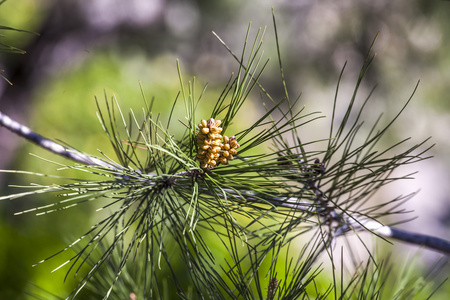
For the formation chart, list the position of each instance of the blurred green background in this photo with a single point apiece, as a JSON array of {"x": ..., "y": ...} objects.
[{"x": 88, "y": 48}]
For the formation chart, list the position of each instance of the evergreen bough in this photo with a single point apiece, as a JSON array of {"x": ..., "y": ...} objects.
[{"x": 174, "y": 206}]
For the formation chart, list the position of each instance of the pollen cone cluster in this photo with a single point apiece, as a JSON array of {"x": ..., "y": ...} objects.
[{"x": 213, "y": 148}]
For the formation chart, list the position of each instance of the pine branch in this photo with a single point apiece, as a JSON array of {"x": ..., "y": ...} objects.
[
  {"x": 30, "y": 135},
  {"x": 353, "y": 223},
  {"x": 203, "y": 182},
  {"x": 349, "y": 223},
  {"x": 428, "y": 241}
]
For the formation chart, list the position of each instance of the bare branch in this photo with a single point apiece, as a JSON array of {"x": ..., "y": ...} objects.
[{"x": 52, "y": 146}]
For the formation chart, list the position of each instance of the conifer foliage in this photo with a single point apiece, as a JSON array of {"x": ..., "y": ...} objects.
[{"x": 216, "y": 217}]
